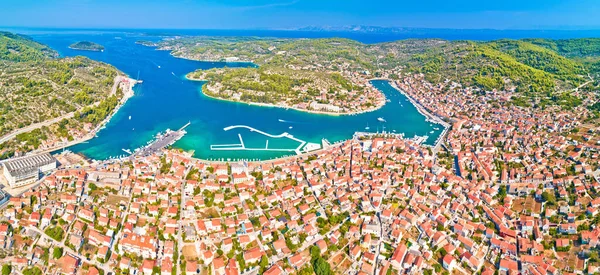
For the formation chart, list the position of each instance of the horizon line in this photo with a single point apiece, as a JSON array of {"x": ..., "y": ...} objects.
[{"x": 298, "y": 28}]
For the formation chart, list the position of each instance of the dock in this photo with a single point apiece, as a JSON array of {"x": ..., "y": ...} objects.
[
  {"x": 241, "y": 146},
  {"x": 161, "y": 141}
]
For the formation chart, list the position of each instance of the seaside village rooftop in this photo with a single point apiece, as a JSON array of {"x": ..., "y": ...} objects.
[{"x": 510, "y": 190}]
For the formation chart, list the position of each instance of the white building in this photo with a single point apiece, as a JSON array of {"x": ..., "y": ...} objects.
[{"x": 26, "y": 170}]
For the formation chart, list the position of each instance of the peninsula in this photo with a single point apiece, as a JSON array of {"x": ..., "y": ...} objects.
[
  {"x": 87, "y": 46},
  {"x": 331, "y": 75},
  {"x": 312, "y": 75},
  {"x": 48, "y": 102}
]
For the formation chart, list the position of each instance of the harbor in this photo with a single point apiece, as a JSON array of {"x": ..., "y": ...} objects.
[
  {"x": 429, "y": 117},
  {"x": 303, "y": 146},
  {"x": 161, "y": 141},
  {"x": 164, "y": 101}
]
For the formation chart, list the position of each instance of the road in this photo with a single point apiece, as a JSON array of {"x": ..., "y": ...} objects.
[
  {"x": 49, "y": 122},
  {"x": 180, "y": 241},
  {"x": 34, "y": 126}
]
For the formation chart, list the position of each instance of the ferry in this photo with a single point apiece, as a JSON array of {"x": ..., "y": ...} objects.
[{"x": 381, "y": 119}]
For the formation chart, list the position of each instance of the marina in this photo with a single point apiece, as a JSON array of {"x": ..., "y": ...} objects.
[
  {"x": 167, "y": 101},
  {"x": 162, "y": 140},
  {"x": 241, "y": 145}
]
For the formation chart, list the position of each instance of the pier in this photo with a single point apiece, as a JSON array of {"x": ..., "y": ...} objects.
[
  {"x": 161, "y": 141},
  {"x": 242, "y": 146}
]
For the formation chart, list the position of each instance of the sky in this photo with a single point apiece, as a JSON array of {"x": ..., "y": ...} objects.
[{"x": 284, "y": 14}]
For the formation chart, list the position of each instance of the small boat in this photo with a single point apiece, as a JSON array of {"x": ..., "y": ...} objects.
[
  {"x": 158, "y": 66},
  {"x": 173, "y": 73},
  {"x": 129, "y": 117},
  {"x": 431, "y": 132},
  {"x": 436, "y": 128},
  {"x": 291, "y": 127},
  {"x": 381, "y": 119},
  {"x": 387, "y": 100},
  {"x": 367, "y": 128},
  {"x": 133, "y": 129}
]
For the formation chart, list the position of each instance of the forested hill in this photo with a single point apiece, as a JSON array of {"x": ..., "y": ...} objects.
[
  {"x": 521, "y": 65},
  {"x": 530, "y": 66},
  {"x": 584, "y": 50},
  {"x": 16, "y": 47},
  {"x": 580, "y": 47},
  {"x": 36, "y": 86}
]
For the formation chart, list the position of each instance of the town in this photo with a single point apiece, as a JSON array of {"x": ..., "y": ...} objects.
[{"x": 510, "y": 190}]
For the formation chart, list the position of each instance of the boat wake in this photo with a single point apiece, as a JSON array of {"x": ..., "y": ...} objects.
[{"x": 291, "y": 122}]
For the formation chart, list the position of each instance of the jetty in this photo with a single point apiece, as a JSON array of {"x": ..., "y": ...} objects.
[
  {"x": 241, "y": 146},
  {"x": 161, "y": 141}
]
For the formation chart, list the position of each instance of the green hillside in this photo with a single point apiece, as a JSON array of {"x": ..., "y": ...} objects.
[
  {"x": 531, "y": 69},
  {"x": 539, "y": 57},
  {"x": 15, "y": 47},
  {"x": 580, "y": 47},
  {"x": 35, "y": 86}
]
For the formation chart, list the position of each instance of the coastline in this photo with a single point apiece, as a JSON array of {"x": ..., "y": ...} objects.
[
  {"x": 422, "y": 110},
  {"x": 375, "y": 108},
  {"x": 127, "y": 94},
  {"x": 78, "y": 49}
]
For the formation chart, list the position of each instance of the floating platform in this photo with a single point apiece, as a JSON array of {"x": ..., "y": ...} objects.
[{"x": 303, "y": 145}]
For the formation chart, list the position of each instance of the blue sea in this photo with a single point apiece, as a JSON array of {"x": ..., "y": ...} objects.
[{"x": 166, "y": 100}]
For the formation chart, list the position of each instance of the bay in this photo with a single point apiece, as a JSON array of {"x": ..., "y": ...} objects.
[{"x": 166, "y": 100}]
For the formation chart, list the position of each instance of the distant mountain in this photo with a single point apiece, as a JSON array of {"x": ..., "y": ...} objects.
[{"x": 359, "y": 28}]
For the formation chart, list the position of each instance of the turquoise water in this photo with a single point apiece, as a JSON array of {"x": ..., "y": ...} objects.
[{"x": 167, "y": 100}]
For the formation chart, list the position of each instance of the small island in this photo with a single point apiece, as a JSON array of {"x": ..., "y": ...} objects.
[{"x": 87, "y": 46}]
